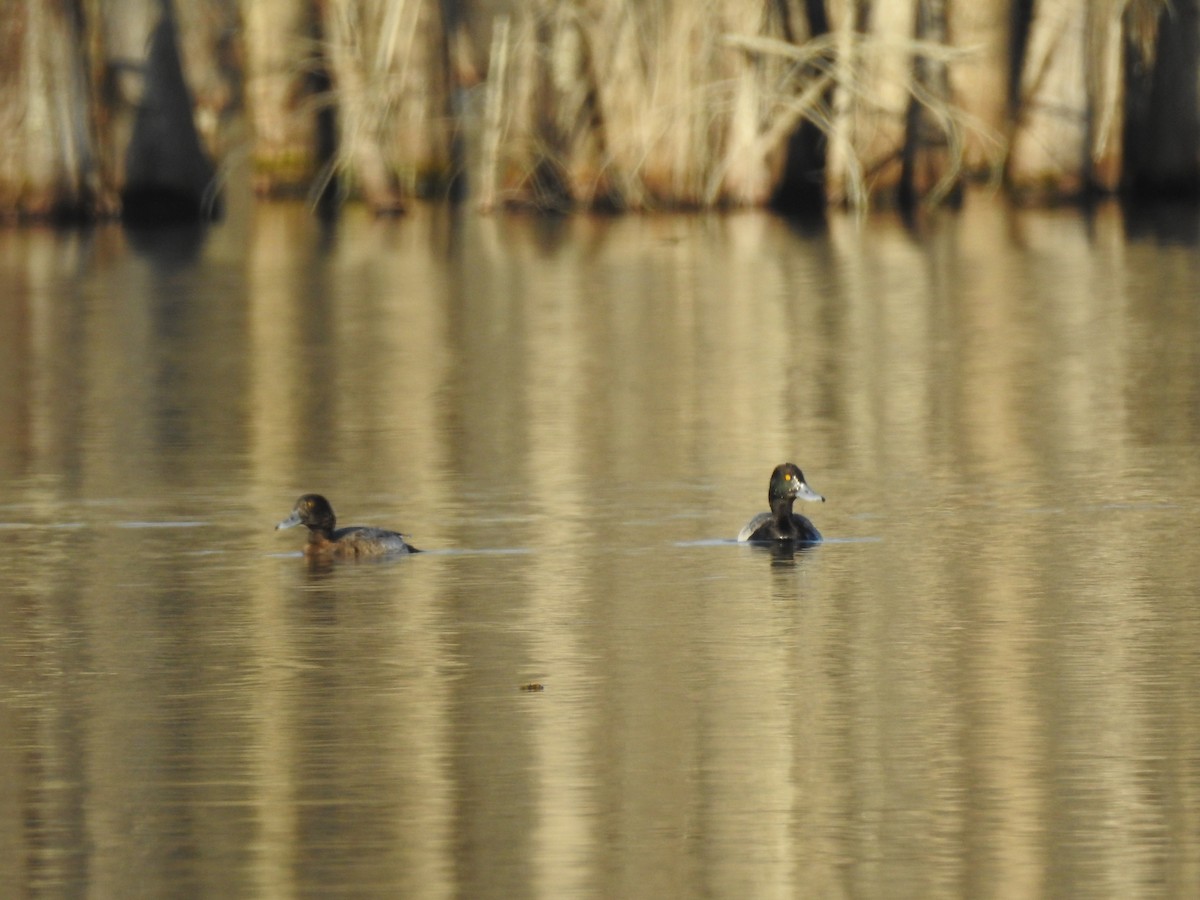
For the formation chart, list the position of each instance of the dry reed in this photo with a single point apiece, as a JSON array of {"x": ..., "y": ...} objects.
[
  {"x": 390, "y": 86},
  {"x": 638, "y": 106}
]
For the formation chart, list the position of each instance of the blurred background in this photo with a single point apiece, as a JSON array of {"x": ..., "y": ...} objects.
[{"x": 126, "y": 107}]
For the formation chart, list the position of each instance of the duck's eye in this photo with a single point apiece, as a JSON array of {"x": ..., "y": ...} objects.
[{"x": 787, "y": 476}]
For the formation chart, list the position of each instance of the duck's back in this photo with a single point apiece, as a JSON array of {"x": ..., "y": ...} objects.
[
  {"x": 762, "y": 528},
  {"x": 363, "y": 540}
]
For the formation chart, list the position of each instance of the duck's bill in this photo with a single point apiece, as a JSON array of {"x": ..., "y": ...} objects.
[
  {"x": 804, "y": 492},
  {"x": 293, "y": 519}
]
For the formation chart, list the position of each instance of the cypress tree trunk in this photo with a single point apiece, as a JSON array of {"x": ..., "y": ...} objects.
[
  {"x": 168, "y": 174},
  {"x": 980, "y": 83},
  {"x": 872, "y": 102},
  {"x": 569, "y": 127},
  {"x": 284, "y": 77},
  {"x": 1069, "y": 128},
  {"x": 762, "y": 119},
  {"x": 1049, "y": 146},
  {"x": 801, "y": 184},
  {"x": 1162, "y": 133},
  {"x": 546, "y": 90},
  {"x": 49, "y": 165},
  {"x": 171, "y": 70},
  {"x": 932, "y": 147},
  {"x": 1106, "y": 95}
]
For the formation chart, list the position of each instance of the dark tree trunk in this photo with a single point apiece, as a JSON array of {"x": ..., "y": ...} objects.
[
  {"x": 1162, "y": 124},
  {"x": 926, "y": 161},
  {"x": 168, "y": 175},
  {"x": 801, "y": 186}
]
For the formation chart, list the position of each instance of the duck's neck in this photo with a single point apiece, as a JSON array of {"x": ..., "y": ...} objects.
[
  {"x": 320, "y": 534},
  {"x": 781, "y": 511}
]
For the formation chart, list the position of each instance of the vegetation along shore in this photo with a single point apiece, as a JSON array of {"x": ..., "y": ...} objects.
[{"x": 145, "y": 107}]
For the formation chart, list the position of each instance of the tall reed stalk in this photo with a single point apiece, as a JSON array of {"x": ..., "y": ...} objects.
[
  {"x": 391, "y": 85},
  {"x": 693, "y": 104}
]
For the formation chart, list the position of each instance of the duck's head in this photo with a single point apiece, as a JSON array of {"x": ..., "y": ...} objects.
[
  {"x": 313, "y": 511},
  {"x": 787, "y": 483}
]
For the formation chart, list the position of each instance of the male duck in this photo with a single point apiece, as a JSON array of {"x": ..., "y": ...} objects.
[{"x": 781, "y": 524}]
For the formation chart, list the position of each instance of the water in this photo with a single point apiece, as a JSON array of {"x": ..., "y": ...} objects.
[{"x": 982, "y": 684}]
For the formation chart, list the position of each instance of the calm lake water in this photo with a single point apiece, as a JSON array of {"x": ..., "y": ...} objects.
[{"x": 983, "y": 684}]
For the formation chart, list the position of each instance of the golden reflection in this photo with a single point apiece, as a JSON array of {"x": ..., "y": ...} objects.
[
  {"x": 980, "y": 682},
  {"x": 318, "y": 371}
]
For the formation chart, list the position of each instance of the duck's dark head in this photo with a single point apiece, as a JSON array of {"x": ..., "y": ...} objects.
[
  {"x": 787, "y": 483},
  {"x": 313, "y": 511}
]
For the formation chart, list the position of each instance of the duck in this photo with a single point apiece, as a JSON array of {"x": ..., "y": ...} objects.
[
  {"x": 326, "y": 540},
  {"x": 781, "y": 524}
]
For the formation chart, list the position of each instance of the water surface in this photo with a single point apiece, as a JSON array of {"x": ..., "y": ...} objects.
[{"x": 982, "y": 684}]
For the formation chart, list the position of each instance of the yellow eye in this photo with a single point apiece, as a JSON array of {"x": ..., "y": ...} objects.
[{"x": 787, "y": 476}]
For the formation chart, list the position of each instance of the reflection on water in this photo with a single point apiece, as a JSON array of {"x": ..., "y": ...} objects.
[{"x": 982, "y": 683}]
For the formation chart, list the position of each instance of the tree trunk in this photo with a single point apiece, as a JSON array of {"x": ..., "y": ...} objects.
[
  {"x": 1069, "y": 128},
  {"x": 979, "y": 83},
  {"x": 1162, "y": 134},
  {"x": 1049, "y": 146},
  {"x": 49, "y": 166},
  {"x": 205, "y": 90},
  {"x": 284, "y": 71},
  {"x": 1106, "y": 95},
  {"x": 767, "y": 103},
  {"x": 800, "y": 187},
  {"x": 168, "y": 174},
  {"x": 746, "y": 178},
  {"x": 873, "y": 99},
  {"x": 933, "y": 147}
]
